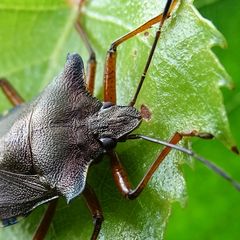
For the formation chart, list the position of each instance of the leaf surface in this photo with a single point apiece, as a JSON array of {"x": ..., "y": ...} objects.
[
  {"x": 181, "y": 91},
  {"x": 212, "y": 209}
]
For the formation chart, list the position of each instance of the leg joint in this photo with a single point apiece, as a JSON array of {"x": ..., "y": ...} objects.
[
  {"x": 92, "y": 57},
  {"x": 113, "y": 48},
  {"x": 98, "y": 219},
  {"x": 131, "y": 196}
]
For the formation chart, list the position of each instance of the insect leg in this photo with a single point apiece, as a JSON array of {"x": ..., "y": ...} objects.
[
  {"x": 46, "y": 221},
  {"x": 95, "y": 209},
  {"x": 10, "y": 92},
  {"x": 120, "y": 175},
  {"x": 92, "y": 63},
  {"x": 110, "y": 62}
]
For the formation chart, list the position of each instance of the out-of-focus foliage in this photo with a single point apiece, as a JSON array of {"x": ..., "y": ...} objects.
[{"x": 213, "y": 207}]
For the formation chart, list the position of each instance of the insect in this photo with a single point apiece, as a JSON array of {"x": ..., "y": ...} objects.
[{"x": 47, "y": 145}]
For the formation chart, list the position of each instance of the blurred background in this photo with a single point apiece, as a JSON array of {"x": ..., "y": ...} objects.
[{"x": 209, "y": 214}]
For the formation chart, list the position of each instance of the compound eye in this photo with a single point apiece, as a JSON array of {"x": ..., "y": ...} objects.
[
  {"x": 106, "y": 105},
  {"x": 108, "y": 143}
]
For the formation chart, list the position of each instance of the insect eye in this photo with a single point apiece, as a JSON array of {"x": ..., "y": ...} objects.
[
  {"x": 106, "y": 105},
  {"x": 108, "y": 143}
]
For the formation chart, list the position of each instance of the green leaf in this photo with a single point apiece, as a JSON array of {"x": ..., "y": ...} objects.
[
  {"x": 213, "y": 206},
  {"x": 202, "y": 3},
  {"x": 181, "y": 91}
]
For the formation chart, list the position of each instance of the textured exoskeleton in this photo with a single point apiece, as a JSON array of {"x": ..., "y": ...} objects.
[{"x": 47, "y": 145}]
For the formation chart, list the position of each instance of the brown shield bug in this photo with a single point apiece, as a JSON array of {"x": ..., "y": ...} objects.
[{"x": 48, "y": 145}]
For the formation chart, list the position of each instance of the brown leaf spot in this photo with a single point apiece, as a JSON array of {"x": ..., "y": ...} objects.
[
  {"x": 235, "y": 149},
  {"x": 145, "y": 112}
]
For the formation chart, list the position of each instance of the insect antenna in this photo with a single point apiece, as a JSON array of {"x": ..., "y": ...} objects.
[
  {"x": 157, "y": 36},
  {"x": 206, "y": 162}
]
